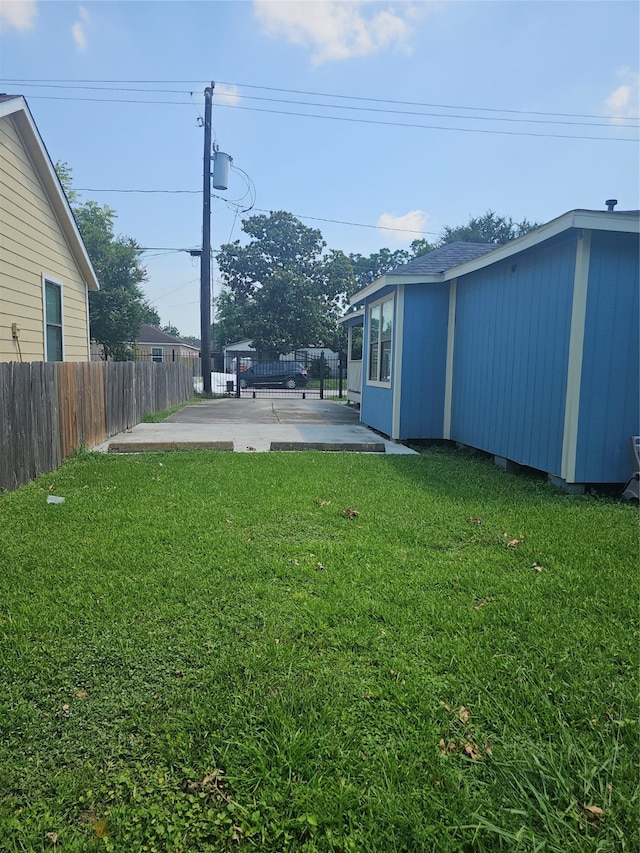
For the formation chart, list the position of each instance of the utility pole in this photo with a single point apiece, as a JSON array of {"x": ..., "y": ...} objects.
[{"x": 205, "y": 257}]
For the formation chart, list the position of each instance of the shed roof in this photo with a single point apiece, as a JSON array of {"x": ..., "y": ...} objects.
[
  {"x": 14, "y": 108},
  {"x": 442, "y": 259}
]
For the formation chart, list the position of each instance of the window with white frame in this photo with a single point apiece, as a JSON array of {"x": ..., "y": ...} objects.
[
  {"x": 53, "y": 320},
  {"x": 380, "y": 335},
  {"x": 156, "y": 353}
]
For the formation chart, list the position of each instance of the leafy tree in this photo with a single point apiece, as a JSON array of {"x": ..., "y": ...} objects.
[
  {"x": 119, "y": 308},
  {"x": 421, "y": 247},
  {"x": 489, "y": 228},
  {"x": 283, "y": 291},
  {"x": 170, "y": 330},
  {"x": 368, "y": 269}
]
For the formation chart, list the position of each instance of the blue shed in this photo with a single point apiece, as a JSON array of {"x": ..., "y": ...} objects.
[{"x": 528, "y": 351}]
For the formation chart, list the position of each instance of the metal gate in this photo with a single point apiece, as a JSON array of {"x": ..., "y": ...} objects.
[{"x": 302, "y": 374}]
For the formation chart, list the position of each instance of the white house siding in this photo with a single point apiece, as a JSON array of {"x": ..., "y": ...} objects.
[{"x": 33, "y": 245}]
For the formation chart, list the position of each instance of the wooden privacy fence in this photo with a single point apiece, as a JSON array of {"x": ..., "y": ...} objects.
[{"x": 49, "y": 409}]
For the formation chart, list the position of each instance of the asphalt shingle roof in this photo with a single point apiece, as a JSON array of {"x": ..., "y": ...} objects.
[
  {"x": 442, "y": 259},
  {"x": 153, "y": 335}
]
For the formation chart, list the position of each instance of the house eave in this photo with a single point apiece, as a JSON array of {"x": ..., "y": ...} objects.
[
  {"x": 18, "y": 110},
  {"x": 353, "y": 315}
]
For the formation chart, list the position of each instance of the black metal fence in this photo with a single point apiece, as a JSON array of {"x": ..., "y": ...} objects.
[{"x": 299, "y": 374}]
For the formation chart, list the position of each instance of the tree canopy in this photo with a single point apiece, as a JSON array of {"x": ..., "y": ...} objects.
[
  {"x": 283, "y": 291},
  {"x": 489, "y": 228},
  {"x": 119, "y": 308}
]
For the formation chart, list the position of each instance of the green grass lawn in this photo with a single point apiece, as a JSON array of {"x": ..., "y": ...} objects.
[{"x": 315, "y": 652}]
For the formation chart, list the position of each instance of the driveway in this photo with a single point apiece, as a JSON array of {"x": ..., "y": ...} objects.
[{"x": 257, "y": 425}]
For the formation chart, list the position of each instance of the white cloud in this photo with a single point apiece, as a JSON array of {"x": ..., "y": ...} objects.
[
  {"x": 18, "y": 14},
  {"x": 78, "y": 30},
  {"x": 404, "y": 227},
  {"x": 624, "y": 101},
  {"x": 339, "y": 29},
  {"x": 228, "y": 94}
]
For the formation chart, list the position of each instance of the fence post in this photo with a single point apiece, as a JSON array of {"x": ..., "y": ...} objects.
[
  {"x": 322, "y": 366},
  {"x": 340, "y": 362}
]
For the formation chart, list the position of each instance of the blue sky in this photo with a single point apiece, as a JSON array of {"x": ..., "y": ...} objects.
[{"x": 461, "y": 106}]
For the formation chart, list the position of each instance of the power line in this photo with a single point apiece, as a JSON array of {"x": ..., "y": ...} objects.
[
  {"x": 434, "y": 127},
  {"x": 263, "y": 210},
  {"x": 157, "y": 102},
  {"x": 495, "y": 118},
  {"x": 58, "y": 84},
  {"x": 352, "y": 120}
]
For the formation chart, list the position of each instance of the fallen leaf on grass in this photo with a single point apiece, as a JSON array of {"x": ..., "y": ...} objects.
[
  {"x": 350, "y": 513},
  {"x": 100, "y": 827},
  {"x": 237, "y": 834},
  {"x": 319, "y": 567},
  {"x": 81, "y": 694},
  {"x": 475, "y": 520},
  {"x": 537, "y": 567},
  {"x": 250, "y": 448},
  {"x": 593, "y": 812},
  {"x": 323, "y": 503},
  {"x": 472, "y": 751},
  {"x": 481, "y": 602},
  {"x": 463, "y": 714},
  {"x": 64, "y": 711},
  {"x": 444, "y": 705},
  {"x": 513, "y": 543},
  {"x": 52, "y": 836}
]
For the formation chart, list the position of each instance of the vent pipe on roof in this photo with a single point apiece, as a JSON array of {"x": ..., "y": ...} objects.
[{"x": 611, "y": 203}]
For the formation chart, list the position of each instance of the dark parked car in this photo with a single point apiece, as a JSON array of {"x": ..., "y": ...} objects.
[{"x": 274, "y": 374}]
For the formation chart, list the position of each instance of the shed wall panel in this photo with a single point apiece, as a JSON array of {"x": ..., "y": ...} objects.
[
  {"x": 609, "y": 409},
  {"x": 424, "y": 361},
  {"x": 510, "y": 356}
]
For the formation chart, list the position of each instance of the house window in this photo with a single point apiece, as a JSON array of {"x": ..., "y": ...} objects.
[
  {"x": 380, "y": 334},
  {"x": 355, "y": 353},
  {"x": 53, "y": 320},
  {"x": 156, "y": 353}
]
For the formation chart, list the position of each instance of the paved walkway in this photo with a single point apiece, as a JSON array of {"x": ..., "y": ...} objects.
[{"x": 263, "y": 424}]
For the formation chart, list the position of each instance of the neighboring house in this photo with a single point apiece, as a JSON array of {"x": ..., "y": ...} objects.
[
  {"x": 528, "y": 351},
  {"x": 155, "y": 345},
  {"x": 45, "y": 272}
]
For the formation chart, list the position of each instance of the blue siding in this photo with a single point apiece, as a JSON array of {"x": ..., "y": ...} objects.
[
  {"x": 424, "y": 357},
  {"x": 510, "y": 357},
  {"x": 609, "y": 414},
  {"x": 376, "y": 405}
]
